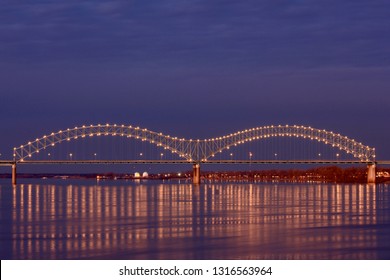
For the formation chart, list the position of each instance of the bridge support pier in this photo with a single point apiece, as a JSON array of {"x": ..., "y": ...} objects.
[
  {"x": 196, "y": 173},
  {"x": 371, "y": 172},
  {"x": 14, "y": 174}
]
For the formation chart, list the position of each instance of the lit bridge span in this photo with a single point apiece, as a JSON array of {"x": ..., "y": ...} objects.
[{"x": 196, "y": 151}]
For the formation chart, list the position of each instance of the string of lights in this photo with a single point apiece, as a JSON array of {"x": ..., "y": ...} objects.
[{"x": 199, "y": 150}]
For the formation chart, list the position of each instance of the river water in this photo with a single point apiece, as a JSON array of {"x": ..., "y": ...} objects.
[{"x": 85, "y": 219}]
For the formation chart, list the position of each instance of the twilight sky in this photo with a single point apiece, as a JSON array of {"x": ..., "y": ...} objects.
[{"x": 195, "y": 68}]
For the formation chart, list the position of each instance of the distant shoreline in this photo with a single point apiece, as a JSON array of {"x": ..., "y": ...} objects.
[{"x": 329, "y": 174}]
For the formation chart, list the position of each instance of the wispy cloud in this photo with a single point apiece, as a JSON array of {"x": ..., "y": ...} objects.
[{"x": 275, "y": 33}]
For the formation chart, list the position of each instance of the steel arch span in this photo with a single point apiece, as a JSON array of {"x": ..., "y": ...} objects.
[{"x": 199, "y": 150}]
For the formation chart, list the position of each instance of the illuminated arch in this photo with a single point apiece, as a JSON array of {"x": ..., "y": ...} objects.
[
  {"x": 173, "y": 144},
  {"x": 358, "y": 150},
  {"x": 197, "y": 150}
]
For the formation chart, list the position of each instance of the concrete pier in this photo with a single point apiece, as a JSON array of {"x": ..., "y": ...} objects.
[
  {"x": 14, "y": 174},
  {"x": 371, "y": 172},
  {"x": 196, "y": 173}
]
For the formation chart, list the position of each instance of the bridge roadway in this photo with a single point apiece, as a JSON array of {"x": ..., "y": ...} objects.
[{"x": 35, "y": 162}]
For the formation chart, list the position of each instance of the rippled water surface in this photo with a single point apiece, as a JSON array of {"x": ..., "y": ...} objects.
[{"x": 49, "y": 219}]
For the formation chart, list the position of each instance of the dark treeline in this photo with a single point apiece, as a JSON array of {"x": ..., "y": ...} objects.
[
  {"x": 331, "y": 174},
  {"x": 320, "y": 174}
]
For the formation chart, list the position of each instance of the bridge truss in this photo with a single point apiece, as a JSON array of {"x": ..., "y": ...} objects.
[{"x": 199, "y": 150}]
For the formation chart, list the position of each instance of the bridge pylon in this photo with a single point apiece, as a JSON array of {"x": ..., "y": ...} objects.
[
  {"x": 371, "y": 173},
  {"x": 196, "y": 173},
  {"x": 14, "y": 173}
]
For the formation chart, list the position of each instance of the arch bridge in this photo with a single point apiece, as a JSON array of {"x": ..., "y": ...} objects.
[{"x": 198, "y": 151}]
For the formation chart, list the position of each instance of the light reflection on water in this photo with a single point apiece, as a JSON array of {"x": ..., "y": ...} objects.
[{"x": 154, "y": 220}]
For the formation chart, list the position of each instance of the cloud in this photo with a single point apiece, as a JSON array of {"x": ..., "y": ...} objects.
[{"x": 198, "y": 33}]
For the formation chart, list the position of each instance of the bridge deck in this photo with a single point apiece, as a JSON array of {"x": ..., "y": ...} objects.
[
  {"x": 35, "y": 162},
  {"x": 4, "y": 162}
]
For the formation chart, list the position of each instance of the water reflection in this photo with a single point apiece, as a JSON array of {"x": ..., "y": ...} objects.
[{"x": 181, "y": 221}]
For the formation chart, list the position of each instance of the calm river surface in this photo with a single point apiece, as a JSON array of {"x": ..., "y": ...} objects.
[{"x": 64, "y": 219}]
